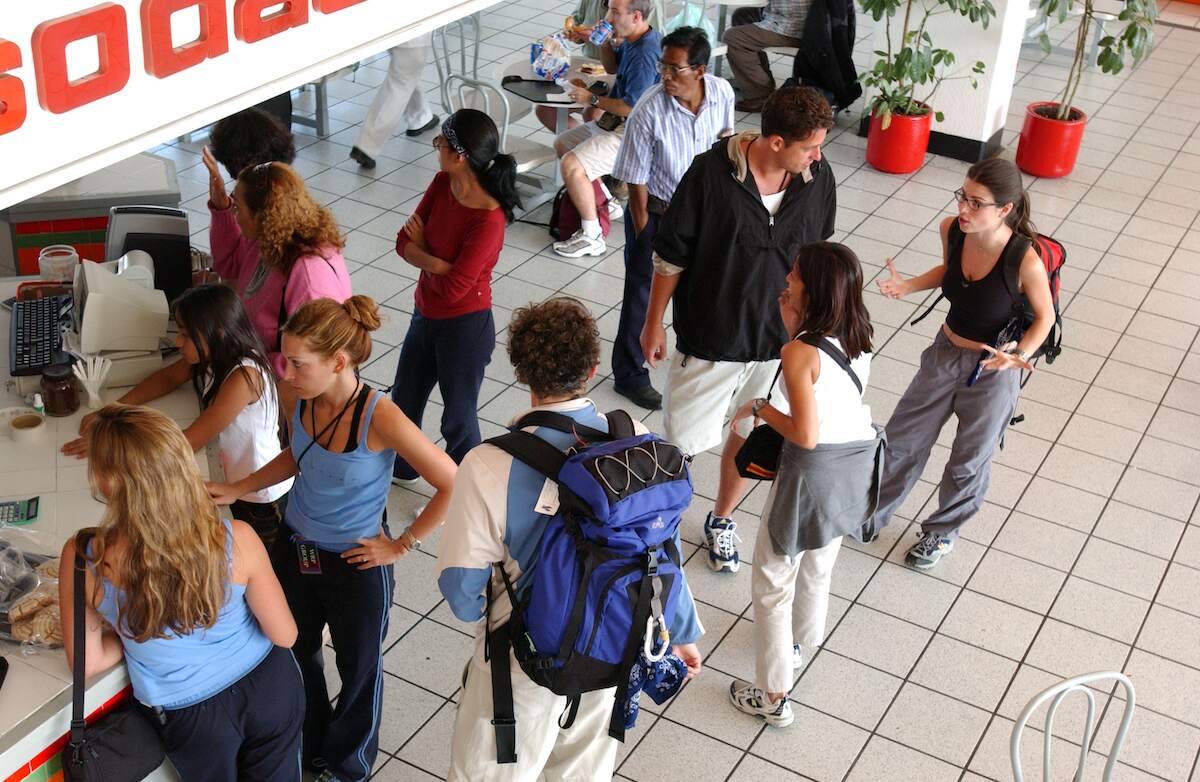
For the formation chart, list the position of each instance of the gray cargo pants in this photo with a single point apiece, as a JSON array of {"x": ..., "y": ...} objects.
[{"x": 983, "y": 410}]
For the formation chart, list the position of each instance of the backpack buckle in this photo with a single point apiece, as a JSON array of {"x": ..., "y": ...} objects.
[{"x": 652, "y": 562}]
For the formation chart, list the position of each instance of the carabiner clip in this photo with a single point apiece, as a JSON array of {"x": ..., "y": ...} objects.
[{"x": 664, "y": 635}]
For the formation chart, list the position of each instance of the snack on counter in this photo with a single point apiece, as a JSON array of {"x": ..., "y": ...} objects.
[
  {"x": 592, "y": 69},
  {"x": 29, "y": 610}
]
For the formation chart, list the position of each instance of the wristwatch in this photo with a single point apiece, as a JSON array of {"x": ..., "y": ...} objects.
[
  {"x": 412, "y": 540},
  {"x": 1021, "y": 354},
  {"x": 758, "y": 405},
  {"x": 594, "y": 101}
]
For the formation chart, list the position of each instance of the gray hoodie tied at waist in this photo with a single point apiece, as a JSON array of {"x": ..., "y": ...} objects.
[{"x": 824, "y": 493}]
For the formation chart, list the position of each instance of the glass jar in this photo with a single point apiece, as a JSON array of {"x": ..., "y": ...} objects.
[{"x": 59, "y": 392}]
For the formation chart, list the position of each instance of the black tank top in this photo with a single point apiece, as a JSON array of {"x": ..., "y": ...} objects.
[{"x": 980, "y": 309}]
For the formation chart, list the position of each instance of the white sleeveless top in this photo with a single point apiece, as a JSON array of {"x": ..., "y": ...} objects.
[
  {"x": 842, "y": 417},
  {"x": 252, "y": 440}
]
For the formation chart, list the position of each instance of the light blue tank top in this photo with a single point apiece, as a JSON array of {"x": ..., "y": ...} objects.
[
  {"x": 181, "y": 670},
  {"x": 339, "y": 497}
]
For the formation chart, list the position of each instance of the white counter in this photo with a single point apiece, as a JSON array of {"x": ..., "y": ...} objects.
[{"x": 35, "y": 701}]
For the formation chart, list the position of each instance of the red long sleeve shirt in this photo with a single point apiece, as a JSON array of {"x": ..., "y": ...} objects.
[{"x": 468, "y": 239}]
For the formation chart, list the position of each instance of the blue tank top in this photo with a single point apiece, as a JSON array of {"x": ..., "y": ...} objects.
[
  {"x": 181, "y": 670},
  {"x": 339, "y": 497}
]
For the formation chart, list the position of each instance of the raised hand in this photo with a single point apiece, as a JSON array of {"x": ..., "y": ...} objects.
[
  {"x": 895, "y": 286},
  {"x": 216, "y": 183}
]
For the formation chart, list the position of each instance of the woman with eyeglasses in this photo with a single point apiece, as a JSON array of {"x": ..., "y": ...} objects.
[
  {"x": 454, "y": 238},
  {"x": 278, "y": 247},
  {"x": 973, "y": 368}
]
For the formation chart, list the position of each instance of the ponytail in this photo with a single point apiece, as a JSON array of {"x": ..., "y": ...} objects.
[
  {"x": 499, "y": 179},
  {"x": 473, "y": 135},
  {"x": 1020, "y": 218}
]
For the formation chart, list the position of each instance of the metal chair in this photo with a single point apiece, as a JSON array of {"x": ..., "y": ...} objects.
[
  {"x": 1055, "y": 695},
  {"x": 466, "y": 92}
]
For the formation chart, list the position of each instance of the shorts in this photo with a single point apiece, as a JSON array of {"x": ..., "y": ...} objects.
[
  {"x": 595, "y": 149},
  {"x": 701, "y": 395}
]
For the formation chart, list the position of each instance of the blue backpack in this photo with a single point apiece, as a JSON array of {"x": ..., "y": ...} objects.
[{"x": 608, "y": 572}]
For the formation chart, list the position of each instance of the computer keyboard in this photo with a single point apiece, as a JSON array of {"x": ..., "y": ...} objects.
[{"x": 35, "y": 340}]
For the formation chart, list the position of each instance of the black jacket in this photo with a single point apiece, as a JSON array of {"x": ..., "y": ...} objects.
[
  {"x": 826, "y": 49},
  {"x": 735, "y": 256}
]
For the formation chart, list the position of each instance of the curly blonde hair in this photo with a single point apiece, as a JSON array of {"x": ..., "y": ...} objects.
[
  {"x": 174, "y": 571},
  {"x": 290, "y": 223}
]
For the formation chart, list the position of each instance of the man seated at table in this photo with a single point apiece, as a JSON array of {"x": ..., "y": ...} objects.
[
  {"x": 588, "y": 151},
  {"x": 674, "y": 122},
  {"x": 779, "y": 23}
]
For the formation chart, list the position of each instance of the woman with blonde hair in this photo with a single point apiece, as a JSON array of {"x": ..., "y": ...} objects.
[
  {"x": 277, "y": 245},
  {"x": 189, "y": 600},
  {"x": 335, "y": 552}
]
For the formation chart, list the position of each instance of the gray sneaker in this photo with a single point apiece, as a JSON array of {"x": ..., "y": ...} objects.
[
  {"x": 751, "y": 700},
  {"x": 928, "y": 550},
  {"x": 580, "y": 244}
]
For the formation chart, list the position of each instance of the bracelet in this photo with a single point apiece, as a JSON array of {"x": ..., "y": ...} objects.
[
  {"x": 1021, "y": 354},
  {"x": 412, "y": 540}
]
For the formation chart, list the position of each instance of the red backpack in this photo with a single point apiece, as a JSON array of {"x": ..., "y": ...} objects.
[{"x": 564, "y": 217}]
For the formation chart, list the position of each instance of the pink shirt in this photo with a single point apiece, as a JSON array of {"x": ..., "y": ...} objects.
[{"x": 236, "y": 259}]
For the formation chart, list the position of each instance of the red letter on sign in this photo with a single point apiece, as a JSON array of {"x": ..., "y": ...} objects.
[
  {"x": 250, "y": 25},
  {"x": 56, "y": 92},
  {"x": 163, "y": 59},
  {"x": 329, "y": 6},
  {"x": 12, "y": 89}
]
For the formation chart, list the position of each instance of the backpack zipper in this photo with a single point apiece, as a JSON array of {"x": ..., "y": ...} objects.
[{"x": 608, "y": 585}]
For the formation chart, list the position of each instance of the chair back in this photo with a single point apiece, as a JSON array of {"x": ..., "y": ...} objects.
[{"x": 1055, "y": 696}]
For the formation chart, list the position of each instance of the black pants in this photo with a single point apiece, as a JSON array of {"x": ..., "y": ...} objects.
[
  {"x": 451, "y": 353},
  {"x": 248, "y": 732},
  {"x": 264, "y": 517},
  {"x": 354, "y": 603},
  {"x": 629, "y": 371}
]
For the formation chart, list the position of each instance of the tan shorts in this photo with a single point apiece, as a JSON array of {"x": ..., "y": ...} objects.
[
  {"x": 595, "y": 149},
  {"x": 701, "y": 395}
]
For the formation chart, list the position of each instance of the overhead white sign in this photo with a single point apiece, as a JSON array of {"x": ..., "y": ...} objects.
[{"x": 84, "y": 84}]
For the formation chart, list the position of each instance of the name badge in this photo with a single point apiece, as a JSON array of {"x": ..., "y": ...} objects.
[{"x": 309, "y": 557}]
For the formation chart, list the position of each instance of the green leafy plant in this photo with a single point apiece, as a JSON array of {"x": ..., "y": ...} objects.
[
  {"x": 914, "y": 62},
  {"x": 1133, "y": 42}
]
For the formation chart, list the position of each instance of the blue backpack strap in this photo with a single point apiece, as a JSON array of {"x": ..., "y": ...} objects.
[{"x": 560, "y": 423}]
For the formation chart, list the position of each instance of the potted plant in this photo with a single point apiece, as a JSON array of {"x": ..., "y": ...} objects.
[
  {"x": 1053, "y": 130},
  {"x": 900, "y": 120}
]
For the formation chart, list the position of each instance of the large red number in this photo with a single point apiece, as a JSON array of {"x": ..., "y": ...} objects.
[
  {"x": 12, "y": 89},
  {"x": 329, "y": 6},
  {"x": 250, "y": 25},
  {"x": 163, "y": 59},
  {"x": 56, "y": 92}
]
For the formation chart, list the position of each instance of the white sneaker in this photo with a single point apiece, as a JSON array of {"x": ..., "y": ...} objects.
[
  {"x": 751, "y": 700},
  {"x": 615, "y": 212},
  {"x": 580, "y": 244},
  {"x": 797, "y": 657}
]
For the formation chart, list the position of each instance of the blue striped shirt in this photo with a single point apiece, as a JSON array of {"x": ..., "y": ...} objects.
[{"x": 662, "y": 137}]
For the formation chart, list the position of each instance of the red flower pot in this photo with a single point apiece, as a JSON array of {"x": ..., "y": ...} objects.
[
  {"x": 901, "y": 148},
  {"x": 1048, "y": 147}
]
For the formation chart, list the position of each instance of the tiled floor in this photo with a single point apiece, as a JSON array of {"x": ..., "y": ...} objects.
[{"x": 1086, "y": 555}]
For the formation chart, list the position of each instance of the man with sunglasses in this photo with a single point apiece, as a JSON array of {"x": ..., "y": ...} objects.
[
  {"x": 588, "y": 151},
  {"x": 675, "y": 121}
]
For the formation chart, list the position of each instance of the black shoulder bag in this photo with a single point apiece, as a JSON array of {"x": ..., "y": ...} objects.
[
  {"x": 758, "y": 458},
  {"x": 121, "y": 746}
]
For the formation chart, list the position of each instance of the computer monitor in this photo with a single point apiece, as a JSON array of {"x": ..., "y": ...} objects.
[
  {"x": 160, "y": 231},
  {"x": 114, "y": 313}
]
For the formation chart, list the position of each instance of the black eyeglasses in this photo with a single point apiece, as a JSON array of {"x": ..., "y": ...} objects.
[
  {"x": 670, "y": 69},
  {"x": 438, "y": 142},
  {"x": 974, "y": 204}
]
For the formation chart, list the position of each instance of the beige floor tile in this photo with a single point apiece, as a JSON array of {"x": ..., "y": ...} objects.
[
  {"x": 1139, "y": 529},
  {"x": 934, "y": 723},
  {"x": 1050, "y": 544},
  {"x": 882, "y": 760},
  {"x": 909, "y": 595},
  {"x": 990, "y": 624},
  {"x": 1100, "y": 609},
  {"x": 694, "y": 755},
  {"x": 965, "y": 672},
  {"x": 1157, "y": 493},
  {"x": 846, "y": 689},
  {"x": 879, "y": 640},
  {"x": 791, "y": 747},
  {"x": 1015, "y": 580},
  {"x": 1062, "y": 504},
  {"x": 1067, "y": 651}
]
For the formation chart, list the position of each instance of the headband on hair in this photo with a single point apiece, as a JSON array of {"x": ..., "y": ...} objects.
[
  {"x": 452, "y": 137},
  {"x": 262, "y": 167}
]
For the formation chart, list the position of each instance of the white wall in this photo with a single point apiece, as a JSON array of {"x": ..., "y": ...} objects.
[{"x": 49, "y": 149}]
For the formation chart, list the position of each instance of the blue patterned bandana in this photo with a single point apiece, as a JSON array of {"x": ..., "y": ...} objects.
[{"x": 452, "y": 137}]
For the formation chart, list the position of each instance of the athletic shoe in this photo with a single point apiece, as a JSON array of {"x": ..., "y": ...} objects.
[
  {"x": 580, "y": 244},
  {"x": 326, "y": 776},
  {"x": 362, "y": 158},
  {"x": 430, "y": 125},
  {"x": 644, "y": 396},
  {"x": 797, "y": 657},
  {"x": 722, "y": 548},
  {"x": 615, "y": 212},
  {"x": 928, "y": 550},
  {"x": 751, "y": 700}
]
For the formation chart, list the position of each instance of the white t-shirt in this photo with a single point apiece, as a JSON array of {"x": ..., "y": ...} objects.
[
  {"x": 252, "y": 440},
  {"x": 842, "y": 417},
  {"x": 772, "y": 202}
]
